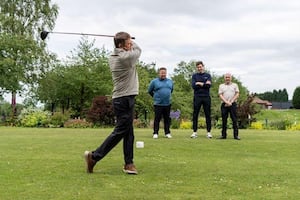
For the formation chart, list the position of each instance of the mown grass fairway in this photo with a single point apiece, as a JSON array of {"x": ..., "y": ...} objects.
[{"x": 48, "y": 164}]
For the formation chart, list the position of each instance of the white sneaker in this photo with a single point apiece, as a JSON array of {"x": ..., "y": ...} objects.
[
  {"x": 209, "y": 136},
  {"x": 194, "y": 135},
  {"x": 155, "y": 136},
  {"x": 168, "y": 136}
]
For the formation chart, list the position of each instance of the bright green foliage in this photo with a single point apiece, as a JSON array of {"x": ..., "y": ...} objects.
[
  {"x": 144, "y": 102},
  {"x": 296, "y": 98},
  {"x": 73, "y": 86},
  {"x": 182, "y": 97},
  {"x": 58, "y": 119},
  {"x": 18, "y": 56},
  {"x": 28, "y": 17},
  {"x": 34, "y": 117},
  {"x": 21, "y": 50},
  {"x": 183, "y": 92}
]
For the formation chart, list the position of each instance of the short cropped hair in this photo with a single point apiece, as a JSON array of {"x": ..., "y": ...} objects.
[
  {"x": 199, "y": 63},
  {"x": 120, "y": 38}
]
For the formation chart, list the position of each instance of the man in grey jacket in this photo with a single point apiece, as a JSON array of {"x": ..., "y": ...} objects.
[{"x": 122, "y": 63}]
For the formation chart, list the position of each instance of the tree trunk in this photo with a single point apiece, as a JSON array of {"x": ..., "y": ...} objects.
[
  {"x": 13, "y": 103},
  {"x": 81, "y": 100}
]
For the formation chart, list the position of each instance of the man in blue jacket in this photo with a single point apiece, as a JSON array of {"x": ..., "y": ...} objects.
[
  {"x": 201, "y": 83},
  {"x": 161, "y": 89}
]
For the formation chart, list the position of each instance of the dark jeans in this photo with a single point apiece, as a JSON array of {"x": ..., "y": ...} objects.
[
  {"x": 225, "y": 110},
  {"x": 162, "y": 111},
  {"x": 198, "y": 102},
  {"x": 123, "y": 109}
]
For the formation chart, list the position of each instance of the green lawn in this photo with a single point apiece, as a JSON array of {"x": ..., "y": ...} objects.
[
  {"x": 48, "y": 164},
  {"x": 273, "y": 115}
]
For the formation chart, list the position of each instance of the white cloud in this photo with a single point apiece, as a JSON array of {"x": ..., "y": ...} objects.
[{"x": 257, "y": 40}]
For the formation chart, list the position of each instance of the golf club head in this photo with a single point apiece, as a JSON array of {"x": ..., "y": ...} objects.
[{"x": 44, "y": 35}]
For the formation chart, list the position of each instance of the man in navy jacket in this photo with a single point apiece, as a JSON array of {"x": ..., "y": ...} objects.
[{"x": 201, "y": 83}]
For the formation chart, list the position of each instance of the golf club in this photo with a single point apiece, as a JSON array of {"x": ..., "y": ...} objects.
[{"x": 44, "y": 34}]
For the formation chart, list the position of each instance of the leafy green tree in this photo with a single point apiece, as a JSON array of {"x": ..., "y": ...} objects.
[
  {"x": 5, "y": 112},
  {"x": 275, "y": 95},
  {"x": 183, "y": 92},
  {"x": 53, "y": 89},
  {"x": 73, "y": 86},
  {"x": 182, "y": 96},
  {"x": 296, "y": 98},
  {"x": 185, "y": 69},
  {"x": 92, "y": 75},
  {"x": 144, "y": 102},
  {"x": 21, "y": 52}
]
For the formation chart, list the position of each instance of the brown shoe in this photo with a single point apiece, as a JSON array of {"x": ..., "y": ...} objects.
[
  {"x": 130, "y": 169},
  {"x": 90, "y": 163}
]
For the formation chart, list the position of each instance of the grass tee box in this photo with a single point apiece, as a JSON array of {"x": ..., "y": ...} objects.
[{"x": 48, "y": 164}]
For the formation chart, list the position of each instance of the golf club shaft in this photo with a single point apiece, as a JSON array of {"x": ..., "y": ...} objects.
[{"x": 89, "y": 34}]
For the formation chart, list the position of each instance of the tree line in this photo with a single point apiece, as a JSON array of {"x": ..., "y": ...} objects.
[
  {"x": 29, "y": 69},
  {"x": 275, "y": 95}
]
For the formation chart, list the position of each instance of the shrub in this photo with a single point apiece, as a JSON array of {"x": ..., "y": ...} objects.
[
  {"x": 175, "y": 114},
  {"x": 175, "y": 123},
  {"x": 175, "y": 119},
  {"x": 245, "y": 109},
  {"x": 294, "y": 127},
  {"x": 34, "y": 117},
  {"x": 219, "y": 123},
  {"x": 77, "y": 123},
  {"x": 140, "y": 123},
  {"x": 185, "y": 125},
  {"x": 280, "y": 124},
  {"x": 257, "y": 125},
  {"x": 101, "y": 111},
  {"x": 201, "y": 122},
  {"x": 58, "y": 119}
]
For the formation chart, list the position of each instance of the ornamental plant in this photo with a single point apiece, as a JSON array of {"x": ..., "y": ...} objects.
[{"x": 34, "y": 117}]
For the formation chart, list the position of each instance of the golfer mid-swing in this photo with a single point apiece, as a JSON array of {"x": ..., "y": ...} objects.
[{"x": 122, "y": 63}]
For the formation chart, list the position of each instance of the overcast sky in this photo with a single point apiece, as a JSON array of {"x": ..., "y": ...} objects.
[{"x": 258, "y": 41}]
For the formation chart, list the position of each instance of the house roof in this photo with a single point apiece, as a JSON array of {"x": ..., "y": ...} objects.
[{"x": 260, "y": 101}]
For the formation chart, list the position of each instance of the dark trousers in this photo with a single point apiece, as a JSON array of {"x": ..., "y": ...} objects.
[
  {"x": 232, "y": 110},
  {"x": 198, "y": 102},
  {"x": 162, "y": 111},
  {"x": 123, "y": 109}
]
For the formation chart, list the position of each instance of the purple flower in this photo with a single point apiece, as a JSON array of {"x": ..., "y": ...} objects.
[{"x": 175, "y": 114}]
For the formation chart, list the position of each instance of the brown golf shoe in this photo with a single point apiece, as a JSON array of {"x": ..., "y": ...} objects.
[
  {"x": 130, "y": 169},
  {"x": 90, "y": 163}
]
